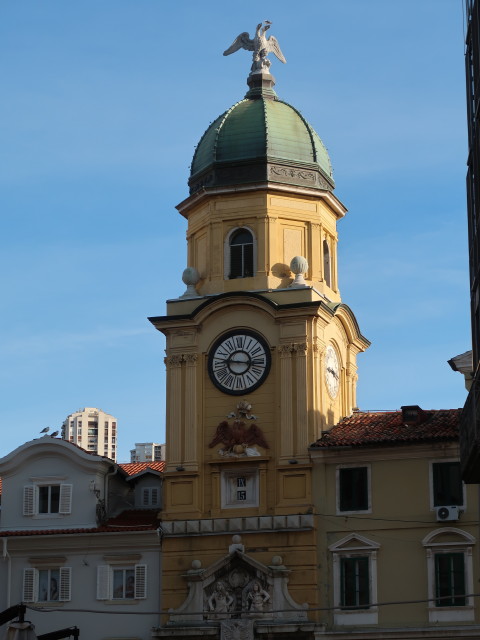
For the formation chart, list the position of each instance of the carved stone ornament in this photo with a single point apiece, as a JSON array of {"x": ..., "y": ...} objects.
[
  {"x": 285, "y": 350},
  {"x": 190, "y": 358},
  {"x": 260, "y": 45},
  {"x": 239, "y": 440},
  {"x": 175, "y": 360},
  {"x": 191, "y": 278},
  {"x": 238, "y": 588},
  {"x": 236, "y": 630},
  {"x": 298, "y": 266},
  {"x": 290, "y": 172},
  {"x": 300, "y": 348}
]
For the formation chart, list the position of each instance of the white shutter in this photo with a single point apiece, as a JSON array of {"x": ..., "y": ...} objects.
[
  {"x": 65, "y": 584},
  {"x": 103, "y": 582},
  {"x": 65, "y": 506},
  {"x": 155, "y": 497},
  {"x": 30, "y": 585},
  {"x": 28, "y": 500},
  {"x": 140, "y": 581},
  {"x": 145, "y": 497}
]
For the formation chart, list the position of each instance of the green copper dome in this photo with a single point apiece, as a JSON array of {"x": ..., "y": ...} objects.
[{"x": 259, "y": 139}]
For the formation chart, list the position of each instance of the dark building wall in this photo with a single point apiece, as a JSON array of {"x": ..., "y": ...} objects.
[{"x": 470, "y": 424}]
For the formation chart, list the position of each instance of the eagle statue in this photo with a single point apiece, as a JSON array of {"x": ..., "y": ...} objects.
[
  {"x": 237, "y": 438},
  {"x": 260, "y": 45}
]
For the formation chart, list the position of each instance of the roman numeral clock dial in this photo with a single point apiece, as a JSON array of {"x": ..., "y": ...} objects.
[{"x": 238, "y": 362}]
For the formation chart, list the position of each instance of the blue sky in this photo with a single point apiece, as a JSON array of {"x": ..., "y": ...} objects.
[{"x": 102, "y": 106}]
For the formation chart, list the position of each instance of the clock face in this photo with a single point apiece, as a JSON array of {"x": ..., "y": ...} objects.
[
  {"x": 238, "y": 362},
  {"x": 332, "y": 371}
]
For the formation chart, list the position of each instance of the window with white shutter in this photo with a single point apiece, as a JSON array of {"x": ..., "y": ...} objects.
[
  {"x": 140, "y": 581},
  {"x": 30, "y": 585},
  {"x": 121, "y": 582},
  {"x": 28, "y": 500},
  {"x": 65, "y": 506},
  {"x": 47, "y": 584},
  {"x": 65, "y": 584},
  {"x": 44, "y": 499},
  {"x": 103, "y": 582}
]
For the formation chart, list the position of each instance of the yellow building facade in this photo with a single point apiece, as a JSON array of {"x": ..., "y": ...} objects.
[
  {"x": 397, "y": 529},
  {"x": 261, "y": 360}
]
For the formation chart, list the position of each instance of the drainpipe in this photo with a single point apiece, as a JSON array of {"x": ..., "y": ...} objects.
[
  {"x": 6, "y": 555},
  {"x": 160, "y": 574},
  {"x": 108, "y": 475}
]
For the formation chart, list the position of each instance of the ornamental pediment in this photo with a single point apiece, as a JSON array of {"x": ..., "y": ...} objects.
[{"x": 237, "y": 587}]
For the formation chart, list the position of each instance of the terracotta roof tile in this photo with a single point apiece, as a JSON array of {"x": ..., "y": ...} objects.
[
  {"x": 131, "y": 468},
  {"x": 131, "y": 520},
  {"x": 387, "y": 428}
]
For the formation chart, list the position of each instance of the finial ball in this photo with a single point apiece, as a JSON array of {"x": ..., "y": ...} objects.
[
  {"x": 299, "y": 265},
  {"x": 190, "y": 276}
]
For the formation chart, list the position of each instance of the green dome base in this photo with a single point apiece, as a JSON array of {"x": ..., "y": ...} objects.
[{"x": 260, "y": 138}]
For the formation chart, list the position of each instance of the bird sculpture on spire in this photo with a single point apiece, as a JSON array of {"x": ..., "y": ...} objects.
[{"x": 260, "y": 45}]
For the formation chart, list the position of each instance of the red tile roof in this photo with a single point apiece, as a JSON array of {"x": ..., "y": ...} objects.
[
  {"x": 131, "y": 520},
  {"x": 387, "y": 428},
  {"x": 131, "y": 468}
]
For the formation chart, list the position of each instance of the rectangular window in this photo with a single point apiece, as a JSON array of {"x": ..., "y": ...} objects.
[
  {"x": 353, "y": 489},
  {"x": 47, "y": 585},
  {"x": 122, "y": 583},
  {"x": 239, "y": 489},
  {"x": 354, "y": 582},
  {"x": 150, "y": 497},
  {"x": 450, "y": 580},
  {"x": 447, "y": 484},
  {"x": 47, "y": 499}
]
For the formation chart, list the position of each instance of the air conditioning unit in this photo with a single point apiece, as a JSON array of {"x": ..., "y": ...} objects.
[{"x": 445, "y": 514}]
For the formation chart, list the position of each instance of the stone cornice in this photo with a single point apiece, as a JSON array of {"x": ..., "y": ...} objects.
[{"x": 193, "y": 200}]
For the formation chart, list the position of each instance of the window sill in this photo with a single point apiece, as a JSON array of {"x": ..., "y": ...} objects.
[
  {"x": 51, "y": 604},
  {"x": 354, "y": 513},
  {"x": 451, "y": 614},
  {"x": 355, "y": 617},
  {"x": 128, "y": 601}
]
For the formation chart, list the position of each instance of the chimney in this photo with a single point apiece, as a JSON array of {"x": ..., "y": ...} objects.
[{"x": 412, "y": 414}]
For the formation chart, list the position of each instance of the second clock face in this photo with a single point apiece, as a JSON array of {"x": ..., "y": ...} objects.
[
  {"x": 239, "y": 362},
  {"x": 332, "y": 371}
]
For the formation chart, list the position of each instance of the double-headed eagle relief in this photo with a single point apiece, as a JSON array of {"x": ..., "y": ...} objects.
[
  {"x": 260, "y": 45},
  {"x": 239, "y": 440}
]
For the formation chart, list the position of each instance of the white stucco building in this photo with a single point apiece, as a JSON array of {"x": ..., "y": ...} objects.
[
  {"x": 147, "y": 452},
  {"x": 93, "y": 430},
  {"x": 80, "y": 532}
]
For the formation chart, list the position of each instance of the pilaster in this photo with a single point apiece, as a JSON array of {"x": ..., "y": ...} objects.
[
  {"x": 191, "y": 435},
  {"x": 174, "y": 410},
  {"x": 286, "y": 426},
  {"x": 301, "y": 432}
]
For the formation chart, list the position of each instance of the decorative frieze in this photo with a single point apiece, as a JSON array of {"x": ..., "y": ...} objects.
[
  {"x": 216, "y": 526},
  {"x": 176, "y": 359}
]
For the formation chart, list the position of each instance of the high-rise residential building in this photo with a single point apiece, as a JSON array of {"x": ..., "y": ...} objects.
[
  {"x": 470, "y": 427},
  {"x": 93, "y": 430},
  {"x": 147, "y": 452}
]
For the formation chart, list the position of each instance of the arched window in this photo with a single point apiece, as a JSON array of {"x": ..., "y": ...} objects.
[
  {"x": 241, "y": 254},
  {"x": 327, "y": 264}
]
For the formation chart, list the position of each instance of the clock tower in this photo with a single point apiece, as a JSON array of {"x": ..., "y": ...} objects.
[{"x": 261, "y": 359}]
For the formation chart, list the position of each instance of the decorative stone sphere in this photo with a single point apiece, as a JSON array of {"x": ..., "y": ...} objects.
[
  {"x": 236, "y": 539},
  {"x": 196, "y": 564},
  {"x": 298, "y": 265},
  {"x": 277, "y": 561},
  {"x": 190, "y": 276}
]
